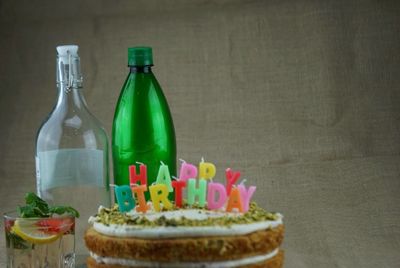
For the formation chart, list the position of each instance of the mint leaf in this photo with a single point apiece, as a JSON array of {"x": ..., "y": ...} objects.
[
  {"x": 38, "y": 208},
  {"x": 35, "y": 201},
  {"x": 31, "y": 198},
  {"x": 26, "y": 212},
  {"x": 61, "y": 210}
]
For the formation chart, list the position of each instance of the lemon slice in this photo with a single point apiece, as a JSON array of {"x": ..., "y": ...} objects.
[{"x": 28, "y": 231}]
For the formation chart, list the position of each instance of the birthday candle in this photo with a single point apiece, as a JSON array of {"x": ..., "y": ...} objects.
[
  {"x": 246, "y": 195},
  {"x": 188, "y": 171},
  {"x": 139, "y": 192},
  {"x": 159, "y": 194},
  {"x": 234, "y": 201},
  {"x": 134, "y": 177},
  {"x": 178, "y": 186},
  {"x": 206, "y": 170},
  {"x": 124, "y": 198},
  {"x": 164, "y": 177},
  {"x": 194, "y": 191},
  {"x": 215, "y": 188},
  {"x": 231, "y": 178}
]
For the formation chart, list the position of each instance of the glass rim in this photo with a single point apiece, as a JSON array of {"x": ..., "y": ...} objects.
[{"x": 13, "y": 215}]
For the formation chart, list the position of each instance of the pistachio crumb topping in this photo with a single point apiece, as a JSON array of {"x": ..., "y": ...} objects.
[{"x": 112, "y": 215}]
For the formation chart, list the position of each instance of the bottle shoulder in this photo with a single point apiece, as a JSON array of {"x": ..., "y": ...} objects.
[
  {"x": 63, "y": 130},
  {"x": 76, "y": 119},
  {"x": 141, "y": 88}
]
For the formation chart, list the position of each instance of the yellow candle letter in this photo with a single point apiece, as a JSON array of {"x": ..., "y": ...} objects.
[
  {"x": 206, "y": 170},
  {"x": 159, "y": 193}
]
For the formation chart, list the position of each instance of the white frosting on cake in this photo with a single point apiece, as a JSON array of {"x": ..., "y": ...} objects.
[
  {"x": 193, "y": 214},
  {"x": 218, "y": 264},
  {"x": 124, "y": 230}
]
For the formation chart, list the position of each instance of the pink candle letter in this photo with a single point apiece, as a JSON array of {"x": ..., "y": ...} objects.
[
  {"x": 213, "y": 202},
  {"x": 246, "y": 196},
  {"x": 188, "y": 171}
]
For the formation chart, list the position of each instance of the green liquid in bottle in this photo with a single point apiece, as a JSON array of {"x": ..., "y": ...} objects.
[{"x": 143, "y": 130}]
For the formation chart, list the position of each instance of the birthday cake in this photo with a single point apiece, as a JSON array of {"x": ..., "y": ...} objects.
[{"x": 216, "y": 226}]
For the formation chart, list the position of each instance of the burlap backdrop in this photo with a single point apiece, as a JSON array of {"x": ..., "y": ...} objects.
[{"x": 301, "y": 96}]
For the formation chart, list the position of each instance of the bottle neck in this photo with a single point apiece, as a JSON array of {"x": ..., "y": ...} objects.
[
  {"x": 69, "y": 71},
  {"x": 140, "y": 69},
  {"x": 69, "y": 82},
  {"x": 71, "y": 98}
]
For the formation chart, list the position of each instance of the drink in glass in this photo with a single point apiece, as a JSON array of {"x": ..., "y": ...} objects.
[{"x": 39, "y": 242}]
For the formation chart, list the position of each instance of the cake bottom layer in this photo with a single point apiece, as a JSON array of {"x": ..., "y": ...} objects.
[
  {"x": 271, "y": 260},
  {"x": 189, "y": 249}
]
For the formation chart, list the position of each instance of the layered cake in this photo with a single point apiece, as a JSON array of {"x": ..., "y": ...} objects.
[
  {"x": 217, "y": 225},
  {"x": 185, "y": 237}
]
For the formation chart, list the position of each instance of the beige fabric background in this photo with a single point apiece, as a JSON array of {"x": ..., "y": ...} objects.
[{"x": 301, "y": 96}]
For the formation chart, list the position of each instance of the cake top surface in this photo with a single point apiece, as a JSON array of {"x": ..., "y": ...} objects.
[{"x": 185, "y": 217}]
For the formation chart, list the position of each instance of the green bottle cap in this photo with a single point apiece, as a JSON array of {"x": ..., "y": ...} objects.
[{"x": 140, "y": 56}]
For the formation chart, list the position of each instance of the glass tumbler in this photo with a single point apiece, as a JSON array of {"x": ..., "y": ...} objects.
[{"x": 40, "y": 242}]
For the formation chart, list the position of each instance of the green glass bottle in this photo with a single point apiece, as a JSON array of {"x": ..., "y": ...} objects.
[{"x": 143, "y": 130}]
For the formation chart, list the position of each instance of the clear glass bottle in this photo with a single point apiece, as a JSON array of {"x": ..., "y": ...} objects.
[{"x": 72, "y": 149}]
